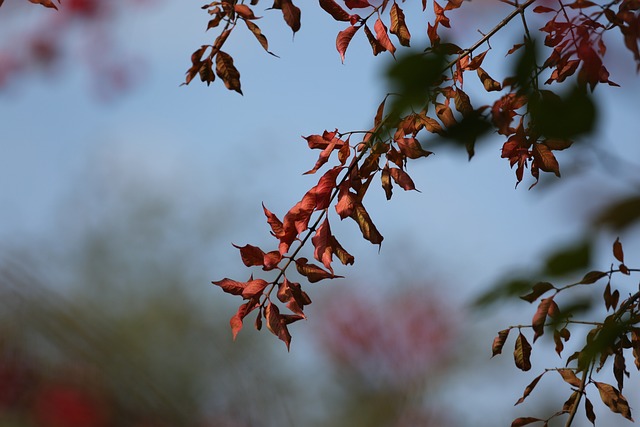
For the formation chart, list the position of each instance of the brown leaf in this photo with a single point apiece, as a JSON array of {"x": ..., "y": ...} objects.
[
  {"x": 476, "y": 61},
  {"x": 540, "y": 317},
  {"x": 274, "y": 222},
  {"x": 522, "y": 353},
  {"x": 334, "y": 9},
  {"x": 343, "y": 40},
  {"x": 545, "y": 159},
  {"x": 344, "y": 256},
  {"x": 617, "y": 250},
  {"x": 228, "y": 72},
  {"x": 244, "y": 11},
  {"x": 537, "y": 290},
  {"x": 569, "y": 376},
  {"x": 382, "y": 36},
  {"x": 385, "y": 177},
  {"x": 444, "y": 113},
  {"x": 313, "y": 272},
  {"x": 367, "y": 227},
  {"x": 614, "y": 399},
  {"x": 291, "y": 14},
  {"x": 276, "y": 324},
  {"x": 398, "y": 25},
  {"x": 529, "y": 389},
  {"x": 523, "y": 421},
  {"x": 592, "y": 277},
  {"x": 463, "y": 103},
  {"x": 498, "y": 342},
  {"x": 376, "y": 46},
  {"x": 259, "y": 36},
  {"x": 243, "y": 311},
  {"x": 410, "y": 147},
  {"x": 488, "y": 83},
  {"x": 568, "y": 405},
  {"x": 588, "y": 408},
  {"x": 271, "y": 260}
]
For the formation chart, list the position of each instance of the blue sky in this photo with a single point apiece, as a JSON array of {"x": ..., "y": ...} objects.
[{"x": 210, "y": 146}]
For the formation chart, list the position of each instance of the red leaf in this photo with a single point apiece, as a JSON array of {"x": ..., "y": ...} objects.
[
  {"x": 333, "y": 9},
  {"x": 357, "y": 4},
  {"x": 542, "y": 9},
  {"x": 231, "y": 286},
  {"x": 274, "y": 222},
  {"x": 254, "y": 288},
  {"x": 251, "y": 255},
  {"x": 243, "y": 311},
  {"x": 402, "y": 179},
  {"x": 411, "y": 148},
  {"x": 322, "y": 243},
  {"x": 292, "y": 294},
  {"x": 343, "y": 40},
  {"x": 347, "y": 201},
  {"x": 244, "y": 11},
  {"x": 382, "y": 36},
  {"x": 545, "y": 160},
  {"x": 45, "y": 3},
  {"x": 271, "y": 260}
]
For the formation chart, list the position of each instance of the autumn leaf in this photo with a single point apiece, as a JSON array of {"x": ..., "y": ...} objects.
[
  {"x": 402, "y": 179},
  {"x": 537, "y": 290},
  {"x": 291, "y": 14},
  {"x": 274, "y": 222},
  {"x": 529, "y": 389},
  {"x": 410, "y": 147},
  {"x": 313, "y": 272},
  {"x": 277, "y": 324},
  {"x": 244, "y": 11},
  {"x": 545, "y": 159},
  {"x": 228, "y": 72},
  {"x": 241, "y": 313},
  {"x": 498, "y": 342},
  {"x": 385, "y": 177},
  {"x": 343, "y": 40},
  {"x": 367, "y": 227},
  {"x": 254, "y": 288},
  {"x": 231, "y": 286},
  {"x": 569, "y": 376},
  {"x": 376, "y": 46},
  {"x": 398, "y": 25},
  {"x": 322, "y": 243},
  {"x": 357, "y": 4},
  {"x": 259, "y": 36},
  {"x": 588, "y": 408},
  {"x": 592, "y": 277},
  {"x": 614, "y": 400},
  {"x": 522, "y": 353},
  {"x": 251, "y": 255},
  {"x": 334, "y": 9},
  {"x": 523, "y": 421},
  {"x": 617, "y": 250},
  {"x": 383, "y": 37},
  {"x": 45, "y": 3},
  {"x": 540, "y": 317}
]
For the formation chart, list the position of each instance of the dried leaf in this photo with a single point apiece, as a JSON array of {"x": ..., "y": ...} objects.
[
  {"x": 545, "y": 160},
  {"x": 540, "y": 317},
  {"x": 231, "y": 286},
  {"x": 402, "y": 179},
  {"x": 588, "y": 408},
  {"x": 259, "y": 36},
  {"x": 322, "y": 243},
  {"x": 569, "y": 376},
  {"x": 411, "y": 148},
  {"x": 592, "y": 277},
  {"x": 385, "y": 177},
  {"x": 291, "y": 14},
  {"x": 614, "y": 399},
  {"x": 398, "y": 25},
  {"x": 522, "y": 353},
  {"x": 367, "y": 227},
  {"x": 313, "y": 272},
  {"x": 488, "y": 83},
  {"x": 254, "y": 288},
  {"x": 523, "y": 421},
  {"x": 498, "y": 342},
  {"x": 276, "y": 324},
  {"x": 617, "y": 250},
  {"x": 538, "y": 289},
  {"x": 529, "y": 389},
  {"x": 45, "y": 3},
  {"x": 228, "y": 72}
]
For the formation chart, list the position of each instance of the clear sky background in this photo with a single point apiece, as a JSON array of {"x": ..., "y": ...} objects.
[{"x": 219, "y": 155}]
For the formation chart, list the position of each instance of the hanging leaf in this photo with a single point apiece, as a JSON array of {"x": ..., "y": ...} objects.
[
  {"x": 228, "y": 72},
  {"x": 540, "y": 317},
  {"x": 385, "y": 177},
  {"x": 569, "y": 376},
  {"x": 276, "y": 324},
  {"x": 592, "y": 277},
  {"x": 334, "y": 9},
  {"x": 402, "y": 179},
  {"x": 251, "y": 255},
  {"x": 343, "y": 40},
  {"x": 614, "y": 400},
  {"x": 529, "y": 389},
  {"x": 398, "y": 25},
  {"x": 313, "y": 272},
  {"x": 588, "y": 408},
  {"x": 291, "y": 14},
  {"x": 259, "y": 36},
  {"x": 523, "y": 421},
  {"x": 522, "y": 353},
  {"x": 617, "y": 250},
  {"x": 383, "y": 36},
  {"x": 498, "y": 342},
  {"x": 538, "y": 289}
]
